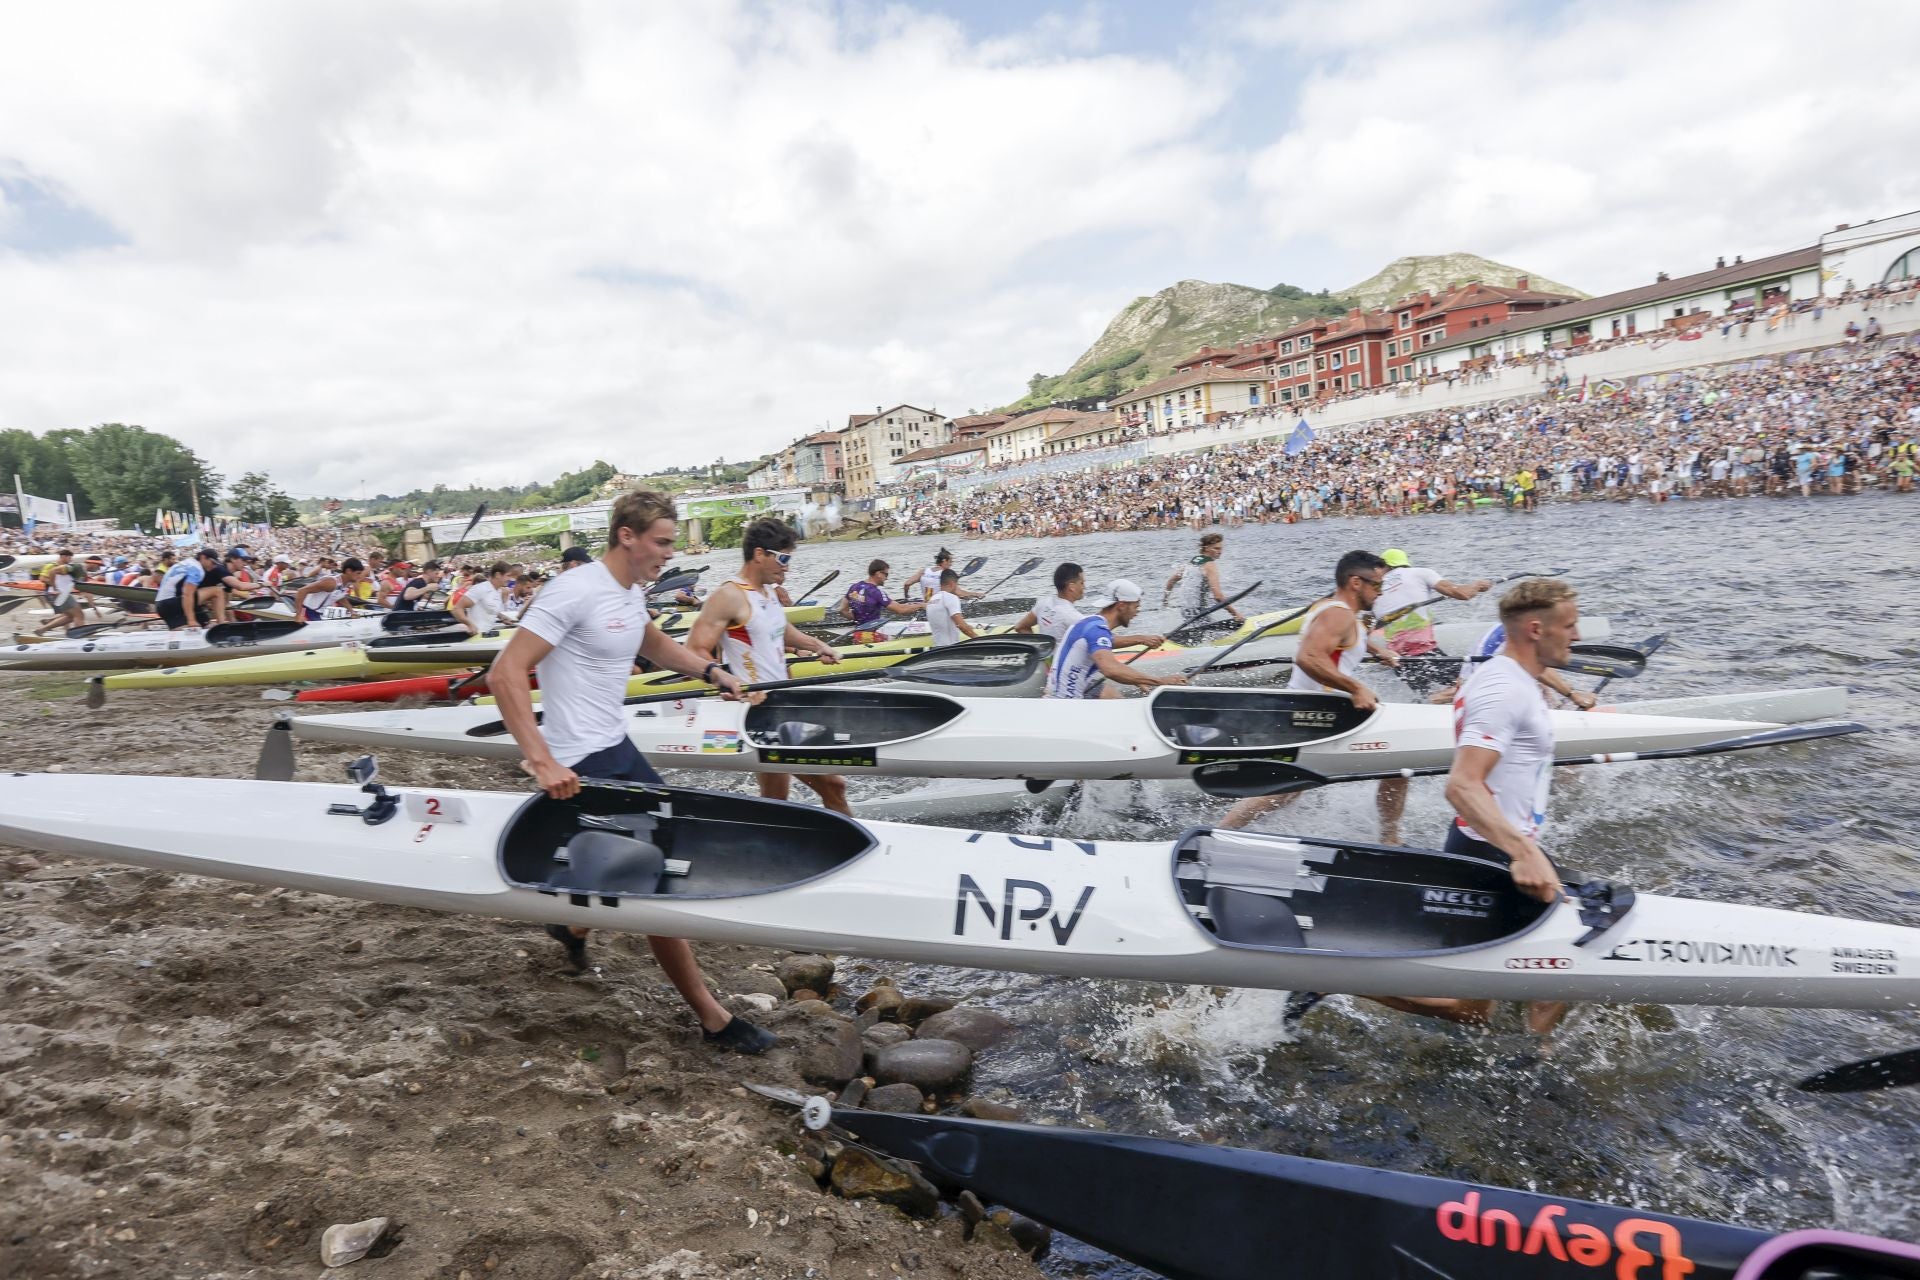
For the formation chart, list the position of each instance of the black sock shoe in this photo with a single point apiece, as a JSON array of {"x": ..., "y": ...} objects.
[
  {"x": 741, "y": 1036},
  {"x": 576, "y": 946}
]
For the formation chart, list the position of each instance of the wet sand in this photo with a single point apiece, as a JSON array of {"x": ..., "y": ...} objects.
[{"x": 197, "y": 1078}]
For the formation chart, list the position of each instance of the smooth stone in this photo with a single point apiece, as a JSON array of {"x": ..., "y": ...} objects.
[
  {"x": 858, "y": 1175},
  {"x": 807, "y": 995},
  {"x": 855, "y": 1094},
  {"x": 918, "y": 1009},
  {"x": 885, "y": 1034},
  {"x": 885, "y": 1001},
  {"x": 896, "y": 1097},
  {"x": 988, "y": 1109},
  {"x": 932, "y": 1066},
  {"x": 346, "y": 1242},
  {"x": 978, "y": 1029},
  {"x": 805, "y": 972},
  {"x": 760, "y": 983}
]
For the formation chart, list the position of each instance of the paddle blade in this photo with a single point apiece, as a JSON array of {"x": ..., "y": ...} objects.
[
  {"x": 1241, "y": 779},
  {"x": 1611, "y": 661},
  {"x": 276, "y": 754},
  {"x": 973, "y": 566},
  {"x": 1888, "y": 1071}
]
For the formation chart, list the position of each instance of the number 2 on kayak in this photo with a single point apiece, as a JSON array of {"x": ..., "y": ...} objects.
[{"x": 431, "y": 808}]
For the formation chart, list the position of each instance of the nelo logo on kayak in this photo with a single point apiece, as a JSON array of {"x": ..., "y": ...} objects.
[
  {"x": 1025, "y": 902},
  {"x": 1456, "y": 902},
  {"x": 1638, "y": 1248},
  {"x": 1539, "y": 962},
  {"x": 1742, "y": 955},
  {"x": 1366, "y": 746}
]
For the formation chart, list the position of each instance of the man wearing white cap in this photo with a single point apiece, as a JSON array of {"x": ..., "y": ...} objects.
[{"x": 1084, "y": 665}]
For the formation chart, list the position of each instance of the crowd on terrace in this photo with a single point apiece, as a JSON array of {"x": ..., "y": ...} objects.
[{"x": 1828, "y": 422}]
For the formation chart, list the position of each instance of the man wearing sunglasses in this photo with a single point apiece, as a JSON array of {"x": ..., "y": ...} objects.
[
  {"x": 1333, "y": 641},
  {"x": 743, "y": 627}
]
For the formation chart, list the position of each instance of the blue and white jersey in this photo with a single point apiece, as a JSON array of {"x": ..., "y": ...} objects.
[
  {"x": 1490, "y": 643},
  {"x": 1073, "y": 674}
]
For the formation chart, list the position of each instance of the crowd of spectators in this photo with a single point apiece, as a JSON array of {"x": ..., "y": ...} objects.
[{"x": 1824, "y": 422}]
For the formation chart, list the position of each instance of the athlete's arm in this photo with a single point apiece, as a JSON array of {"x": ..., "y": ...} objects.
[
  {"x": 1138, "y": 642},
  {"x": 458, "y": 608},
  {"x": 662, "y": 650},
  {"x": 1454, "y": 591},
  {"x": 798, "y": 641},
  {"x": 1470, "y": 797},
  {"x": 1119, "y": 672},
  {"x": 1329, "y": 632},
  {"x": 726, "y": 607},
  {"x": 1028, "y": 622},
  {"x": 510, "y": 680},
  {"x": 1558, "y": 683},
  {"x": 1213, "y": 581}
]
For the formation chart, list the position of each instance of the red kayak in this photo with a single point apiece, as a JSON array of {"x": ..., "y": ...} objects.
[{"x": 470, "y": 685}]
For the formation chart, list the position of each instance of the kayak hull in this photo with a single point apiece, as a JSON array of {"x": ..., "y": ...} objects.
[
  {"x": 1456, "y": 640},
  {"x": 1363, "y": 919},
  {"x": 927, "y": 734},
  {"x": 347, "y": 661},
  {"x": 191, "y": 647}
]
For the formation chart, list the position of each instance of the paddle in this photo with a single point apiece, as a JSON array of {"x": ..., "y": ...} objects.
[
  {"x": 8, "y": 606},
  {"x": 1648, "y": 647},
  {"x": 276, "y": 753},
  {"x": 479, "y": 514},
  {"x": 674, "y": 582},
  {"x": 1404, "y": 610},
  {"x": 1614, "y": 661},
  {"x": 987, "y": 662},
  {"x": 1885, "y": 1071},
  {"x": 1026, "y": 566},
  {"x": 1220, "y": 657},
  {"x": 808, "y": 593},
  {"x": 1239, "y": 779},
  {"x": 1199, "y": 618}
]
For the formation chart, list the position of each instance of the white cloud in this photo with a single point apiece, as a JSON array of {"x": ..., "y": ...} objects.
[
  {"x": 494, "y": 242},
  {"x": 1597, "y": 144}
]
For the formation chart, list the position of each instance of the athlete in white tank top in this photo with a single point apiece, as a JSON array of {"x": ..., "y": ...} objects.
[
  {"x": 756, "y": 650},
  {"x": 1347, "y": 659}
]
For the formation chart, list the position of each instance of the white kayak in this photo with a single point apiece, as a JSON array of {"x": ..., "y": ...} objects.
[
  {"x": 1167, "y": 734},
  {"x": 1456, "y": 640},
  {"x": 963, "y": 799},
  {"x": 1211, "y": 907},
  {"x": 161, "y": 648}
]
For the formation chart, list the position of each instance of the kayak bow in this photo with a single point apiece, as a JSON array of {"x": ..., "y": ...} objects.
[{"x": 1195, "y": 1212}]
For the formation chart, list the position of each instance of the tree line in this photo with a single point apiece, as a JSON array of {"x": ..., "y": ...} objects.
[{"x": 126, "y": 473}]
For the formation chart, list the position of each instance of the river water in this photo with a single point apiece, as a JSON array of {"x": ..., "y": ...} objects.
[{"x": 1684, "y": 1110}]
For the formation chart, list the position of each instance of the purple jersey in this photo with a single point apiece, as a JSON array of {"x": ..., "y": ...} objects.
[{"x": 866, "y": 603}]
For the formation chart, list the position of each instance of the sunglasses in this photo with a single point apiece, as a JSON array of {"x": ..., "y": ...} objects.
[
  {"x": 1378, "y": 584},
  {"x": 782, "y": 558}
]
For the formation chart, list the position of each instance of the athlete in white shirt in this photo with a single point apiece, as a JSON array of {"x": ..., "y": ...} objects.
[
  {"x": 743, "y": 625},
  {"x": 1502, "y": 767},
  {"x": 582, "y": 635},
  {"x": 1055, "y": 615},
  {"x": 943, "y": 612},
  {"x": 484, "y": 603}
]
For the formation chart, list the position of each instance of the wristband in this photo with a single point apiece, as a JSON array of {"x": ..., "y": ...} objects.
[{"x": 707, "y": 674}]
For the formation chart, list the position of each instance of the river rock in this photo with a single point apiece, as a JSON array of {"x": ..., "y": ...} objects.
[
  {"x": 804, "y": 972},
  {"x": 918, "y": 1009},
  {"x": 858, "y": 1175},
  {"x": 883, "y": 1001},
  {"x": 760, "y": 983},
  {"x": 828, "y": 1051},
  {"x": 855, "y": 1094},
  {"x": 932, "y": 1066},
  {"x": 978, "y": 1029},
  {"x": 346, "y": 1242},
  {"x": 988, "y": 1109},
  {"x": 885, "y": 1034},
  {"x": 896, "y": 1097}
]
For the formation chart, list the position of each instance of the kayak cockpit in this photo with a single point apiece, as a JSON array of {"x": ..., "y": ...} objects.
[
  {"x": 1215, "y": 724},
  {"x": 626, "y": 840},
  {"x": 832, "y": 718},
  {"x": 1288, "y": 894}
]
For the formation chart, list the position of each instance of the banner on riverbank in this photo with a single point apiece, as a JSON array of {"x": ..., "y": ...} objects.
[{"x": 37, "y": 510}]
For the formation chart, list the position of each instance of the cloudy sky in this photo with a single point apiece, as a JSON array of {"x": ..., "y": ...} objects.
[{"x": 367, "y": 247}]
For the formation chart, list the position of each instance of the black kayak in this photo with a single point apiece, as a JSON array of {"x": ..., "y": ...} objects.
[{"x": 1196, "y": 1212}]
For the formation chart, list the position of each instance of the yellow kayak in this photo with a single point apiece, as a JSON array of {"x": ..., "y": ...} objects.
[{"x": 341, "y": 662}]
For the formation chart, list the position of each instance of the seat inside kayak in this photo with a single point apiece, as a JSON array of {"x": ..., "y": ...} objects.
[
  {"x": 1285, "y": 894},
  {"x": 845, "y": 717},
  {"x": 1251, "y": 721},
  {"x": 617, "y": 840}
]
